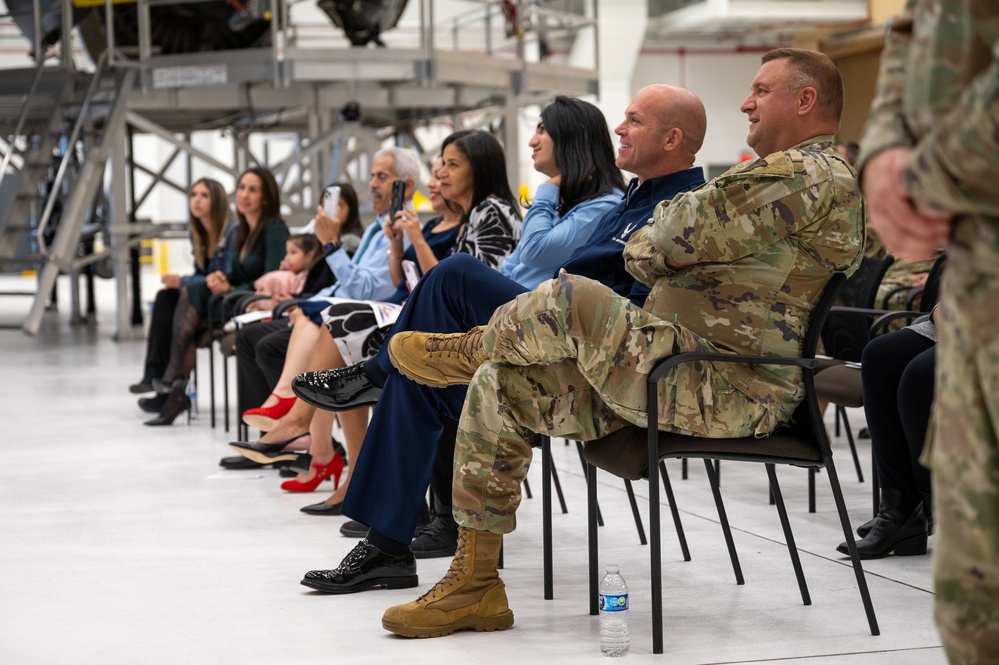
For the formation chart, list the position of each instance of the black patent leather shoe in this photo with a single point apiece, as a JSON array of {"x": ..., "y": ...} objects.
[
  {"x": 365, "y": 567},
  {"x": 322, "y": 508},
  {"x": 267, "y": 453},
  {"x": 152, "y": 404},
  {"x": 340, "y": 389},
  {"x": 239, "y": 462}
]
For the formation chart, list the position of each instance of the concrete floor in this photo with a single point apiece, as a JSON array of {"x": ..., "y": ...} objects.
[{"x": 126, "y": 544}]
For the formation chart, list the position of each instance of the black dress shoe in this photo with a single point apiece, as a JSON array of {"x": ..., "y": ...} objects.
[
  {"x": 165, "y": 387},
  {"x": 152, "y": 404},
  {"x": 437, "y": 539},
  {"x": 142, "y": 387},
  {"x": 267, "y": 453},
  {"x": 365, "y": 567},
  {"x": 323, "y": 508},
  {"x": 239, "y": 462},
  {"x": 340, "y": 389},
  {"x": 353, "y": 529}
]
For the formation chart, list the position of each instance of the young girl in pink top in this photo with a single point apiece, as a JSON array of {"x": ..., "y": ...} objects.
[{"x": 301, "y": 251}]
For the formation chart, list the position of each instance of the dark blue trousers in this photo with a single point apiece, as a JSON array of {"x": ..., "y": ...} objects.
[{"x": 393, "y": 470}]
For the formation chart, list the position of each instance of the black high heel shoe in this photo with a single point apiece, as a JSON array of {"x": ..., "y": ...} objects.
[{"x": 176, "y": 404}]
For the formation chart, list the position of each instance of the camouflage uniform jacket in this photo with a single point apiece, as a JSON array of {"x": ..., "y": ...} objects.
[
  {"x": 764, "y": 238},
  {"x": 937, "y": 88}
]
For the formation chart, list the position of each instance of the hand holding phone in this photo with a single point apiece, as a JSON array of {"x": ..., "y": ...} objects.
[
  {"x": 331, "y": 200},
  {"x": 398, "y": 199}
]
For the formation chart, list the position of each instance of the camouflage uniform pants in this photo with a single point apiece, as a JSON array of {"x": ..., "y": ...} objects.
[
  {"x": 570, "y": 359},
  {"x": 964, "y": 452}
]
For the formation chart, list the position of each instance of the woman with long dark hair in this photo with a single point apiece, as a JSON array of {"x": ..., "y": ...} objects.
[
  {"x": 211, "y": 234},
  {"x": 571, "y": 145},
  {"x": 259, "y": 247},
  {"x": 473, "y": 177}
]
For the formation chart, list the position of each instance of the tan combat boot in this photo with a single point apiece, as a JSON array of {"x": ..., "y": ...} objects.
[
  {"x": 470, "y": 597},
  {"x": 438, "y": 360}
]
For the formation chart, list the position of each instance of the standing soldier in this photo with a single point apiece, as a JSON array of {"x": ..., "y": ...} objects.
[{"x": 929, "y": 168}]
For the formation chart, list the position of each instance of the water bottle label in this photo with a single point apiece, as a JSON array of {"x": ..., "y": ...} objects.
[{"x": 613, "y": 603}]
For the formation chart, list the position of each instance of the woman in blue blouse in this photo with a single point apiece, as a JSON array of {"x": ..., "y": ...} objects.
[
  {"x": 258, "y": 247},
  {"x": 210, "y": 234},
  {"x": 572, "y": 147}
]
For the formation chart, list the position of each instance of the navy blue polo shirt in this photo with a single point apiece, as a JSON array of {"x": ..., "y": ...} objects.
[{"x": 602, "y": 257}]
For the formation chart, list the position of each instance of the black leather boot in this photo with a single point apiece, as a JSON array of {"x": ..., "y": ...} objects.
[
  {"x": 177, "y": 403},
  {"x": 928, "y": 510},
  {"x": 866, "y": 527},
  {"x": 900, "y": 527}
]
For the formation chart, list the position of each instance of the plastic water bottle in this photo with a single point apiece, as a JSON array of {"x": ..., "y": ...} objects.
[{"x": 614, "y": 638}]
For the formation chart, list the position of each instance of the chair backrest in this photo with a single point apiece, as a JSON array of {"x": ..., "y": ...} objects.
[
  {"x": 624, "y": 452},
  {"x": 807, "y": 419},
  {"x": 931, "y": 290},
  {"x": 844, "y": 336}
]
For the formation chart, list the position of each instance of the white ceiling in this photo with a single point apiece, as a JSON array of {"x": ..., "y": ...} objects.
[{"x": 746, "y": 23}]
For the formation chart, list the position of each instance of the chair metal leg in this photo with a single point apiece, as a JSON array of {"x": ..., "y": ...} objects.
[
  {"x": 634, "y": 511},
  {"x": 591, "y": 527},
  {"x": 723, "y": 518},
  {"x": 851, "y": 545},
  {"x": 811, "y": 490},
  {"x": 225, "y": 390},
  {"x": 546, "y": 520},
  {"x": 853, "y": 447},
  {"x": 668, "y": 487},
  {"x": 683, "y": 469},
  {"x": 655, "y": 530},
  {"x": 579, "y": 449},
  {"x": 211, "y": 382},
  {"x": 554, "y": 475},
  {"x": 875, "y": 486},
  {"x": 785, "y": 524},
  {"x": 527, "y": 489}
]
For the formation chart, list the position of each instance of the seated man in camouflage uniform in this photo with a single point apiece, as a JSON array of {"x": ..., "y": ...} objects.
[{"x": 735, "y": 266}]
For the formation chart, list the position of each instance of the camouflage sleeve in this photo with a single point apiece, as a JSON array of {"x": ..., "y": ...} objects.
[
  {"x": 737, "y": 214},
  {"x": 642, "y": 260},
  {"x": 953, "y": 168},
  {"x": 886, "y": 126}
]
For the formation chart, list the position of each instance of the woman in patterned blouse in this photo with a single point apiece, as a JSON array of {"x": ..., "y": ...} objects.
[{"x": 474, "y": 177}]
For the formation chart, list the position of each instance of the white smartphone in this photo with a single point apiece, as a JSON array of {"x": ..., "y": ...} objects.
[
  {"x": 412, "y": 274},
  {"x": 331, "y": 199}
]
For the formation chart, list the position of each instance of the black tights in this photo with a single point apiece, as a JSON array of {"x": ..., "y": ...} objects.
[
  {"x": 187, "y": 325},
  {"x": 897, "y": 373}
]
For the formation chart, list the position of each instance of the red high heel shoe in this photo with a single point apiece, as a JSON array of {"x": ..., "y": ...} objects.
[
  {"x": 323, "y": 471},
  {"x": 264, "y": 417}
]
